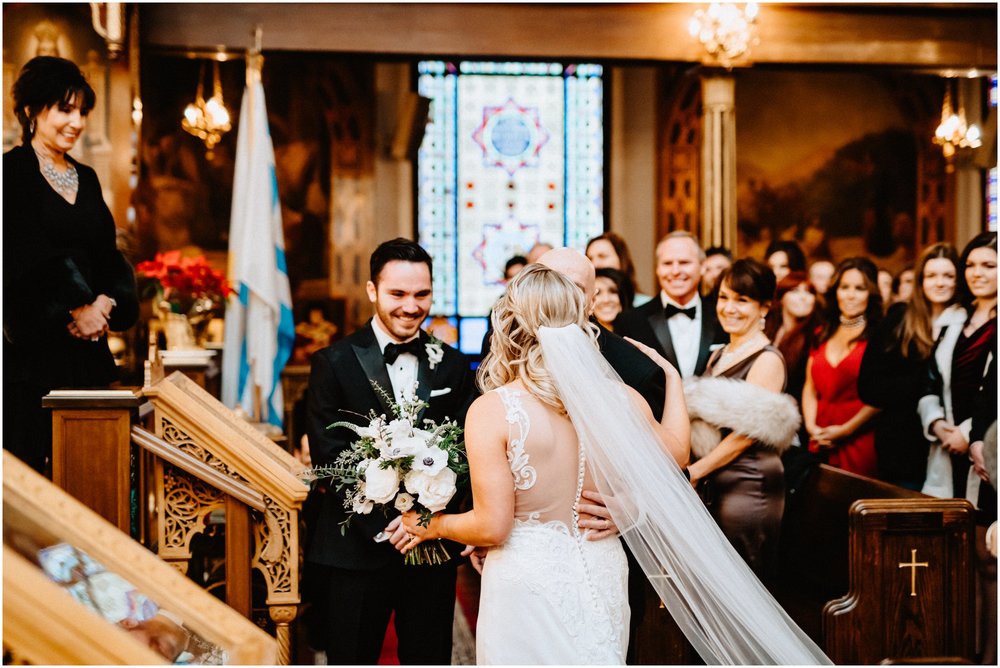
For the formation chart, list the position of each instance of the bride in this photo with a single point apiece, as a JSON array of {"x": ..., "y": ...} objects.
[{"x": 556, "y": 420}]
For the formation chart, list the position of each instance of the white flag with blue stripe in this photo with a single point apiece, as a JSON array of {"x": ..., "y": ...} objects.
[{"x": 259, "y": 330}]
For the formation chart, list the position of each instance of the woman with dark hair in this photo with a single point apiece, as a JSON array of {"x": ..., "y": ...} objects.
[
  {"x": 792, "y": 329},
  {"x": 65, "y": 284},
  {"x": 784, "y": 256},
  {"x": 742, "y": 421},
  {"x": 895, "y": 365},
  {"x": 962, "y": 402},
  {"x": 609, "y": 250},
  {"x": 838, "y": 422},
  {"x": 614, "y": 296}
]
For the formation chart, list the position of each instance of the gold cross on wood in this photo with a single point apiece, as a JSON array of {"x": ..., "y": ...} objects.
[{"x": 913, "y": 566}]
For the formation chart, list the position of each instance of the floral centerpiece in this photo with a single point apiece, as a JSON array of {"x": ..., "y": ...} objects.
[
  {"x": 188, "y": 286},
  {"x": 396, "y": 464}
]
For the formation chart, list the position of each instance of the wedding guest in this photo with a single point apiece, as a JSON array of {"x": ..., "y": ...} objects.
[
  {"x": 895, "y": 365},
  {"x": 538, "y": 250},
  {"x": 610, "y": 251},
  {"x": 885, "y": 287},
  {"x": 717, "y": 258},
  {"x": 792, "y": 328},
  {"x": 680, "y": 325},
  {"x": 355, "y": 580},
  {"x": 820, "y": 274},
  {"x": 963, "y": 397},
  {"x": 784, "y": 256},
  {"x": 756, "y": 422},
  {"x": 902, "y": 284},
  {"x": 514, "y": 265},
  {"x": 838, "y": 422},
  {"x": 613, "y": 296},
  {"x": 65, "y": 283}
]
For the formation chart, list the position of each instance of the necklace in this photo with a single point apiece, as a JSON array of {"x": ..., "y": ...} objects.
[
  {"x": 853, "y": 323},
  {"x": 65, "y": 183},
  {"x": 729, "y": 353}
]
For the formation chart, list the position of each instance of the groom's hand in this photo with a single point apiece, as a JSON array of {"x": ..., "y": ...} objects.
[{"x": 595, "y": 516}]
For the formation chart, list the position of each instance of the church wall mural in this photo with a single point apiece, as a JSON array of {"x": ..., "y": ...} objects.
[{"x": 833, "y": 160}]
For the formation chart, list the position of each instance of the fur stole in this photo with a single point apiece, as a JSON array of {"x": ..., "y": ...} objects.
[{"x": 769, "y": 418}]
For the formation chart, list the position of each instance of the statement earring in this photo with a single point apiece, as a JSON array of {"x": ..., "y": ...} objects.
[{"x": 31, "y": 127}]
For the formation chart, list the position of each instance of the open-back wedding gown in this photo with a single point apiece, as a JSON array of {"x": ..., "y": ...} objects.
[{"x": 549, "y": 595}]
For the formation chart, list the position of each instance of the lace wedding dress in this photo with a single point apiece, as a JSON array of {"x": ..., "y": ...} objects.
[{"x": 549, "y": 595}]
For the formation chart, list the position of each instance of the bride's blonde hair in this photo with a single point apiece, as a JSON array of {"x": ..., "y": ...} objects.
[{"x": 536, "y": 297}]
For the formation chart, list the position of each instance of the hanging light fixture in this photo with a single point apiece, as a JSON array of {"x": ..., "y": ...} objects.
[
  {"x": 108, "y": 19},
  {"x": 954, "y": 132},
  {"x": 207, "y": 119},
  {"x": 726, "y": 30}
]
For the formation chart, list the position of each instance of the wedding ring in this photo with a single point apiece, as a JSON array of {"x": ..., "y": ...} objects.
[{"x": 607, "y": 524}]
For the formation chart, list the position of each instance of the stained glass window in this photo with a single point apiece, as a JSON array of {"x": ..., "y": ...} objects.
[{"x": 513, "y": 154}]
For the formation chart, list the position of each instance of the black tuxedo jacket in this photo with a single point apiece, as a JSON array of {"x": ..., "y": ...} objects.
[
  {"x": 635, "y": 368},
  {"x": 340, "y": 389},
  {"x": 648, "y": 324}
]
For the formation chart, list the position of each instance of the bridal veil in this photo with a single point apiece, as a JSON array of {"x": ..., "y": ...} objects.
[{"x": 719, "y": 604}]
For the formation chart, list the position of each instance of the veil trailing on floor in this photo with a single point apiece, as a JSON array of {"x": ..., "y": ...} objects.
[{"x": 719, "y": 604}]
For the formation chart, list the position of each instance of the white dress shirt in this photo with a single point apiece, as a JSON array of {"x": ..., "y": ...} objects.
[
  {"x": 402, "y": 372},
  {"x": 685, "y": 333}
]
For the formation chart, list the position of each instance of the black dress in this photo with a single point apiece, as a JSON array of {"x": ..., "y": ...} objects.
[
  {"x": 895, "y": 383},
  {"x": 56, "y": 256}
]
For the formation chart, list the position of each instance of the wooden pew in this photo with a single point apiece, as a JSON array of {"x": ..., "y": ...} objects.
[
  {"x": 43, "y": 624},
  {"x": 814, "y": 562}
]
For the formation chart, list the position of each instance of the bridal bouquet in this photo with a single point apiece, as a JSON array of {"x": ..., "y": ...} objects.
[{"x": 397, "y": 463}]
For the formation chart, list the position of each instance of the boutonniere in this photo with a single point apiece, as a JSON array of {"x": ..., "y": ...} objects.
[{"x": 435, "y": 351}]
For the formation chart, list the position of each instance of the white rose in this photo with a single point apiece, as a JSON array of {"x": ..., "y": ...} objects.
[
  {"x": 435, "y": 353},
  {"x": 363, "y": 465},
  {"x": 403, "y": 502},
  {"x": 398, "y": 428},
  {"x": 430, "y": 460},
  {"x": 432, "y": 491},
  {"x": 381, "y": 484}
]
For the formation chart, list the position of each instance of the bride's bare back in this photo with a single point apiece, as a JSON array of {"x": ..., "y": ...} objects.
[{"x": 544, "y": 455}]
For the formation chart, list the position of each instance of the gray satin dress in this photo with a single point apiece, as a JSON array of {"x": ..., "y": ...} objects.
[{"x": 747, "y": 496}]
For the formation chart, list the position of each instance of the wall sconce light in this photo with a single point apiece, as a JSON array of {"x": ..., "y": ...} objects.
[
  {"x": 108, "y": 19},
  {"x": 207, "y": 119},
  {"x": 726, "y": 30},
  {"x": 954, "y": 132}
]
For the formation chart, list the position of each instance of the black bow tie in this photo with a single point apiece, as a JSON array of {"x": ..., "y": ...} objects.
[
  {"x": 393, "y": 350},
  {"x": 672, "y": 310}
]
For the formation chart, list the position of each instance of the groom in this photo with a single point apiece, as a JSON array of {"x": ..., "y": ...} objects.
[{"x": 356, "y": 579}]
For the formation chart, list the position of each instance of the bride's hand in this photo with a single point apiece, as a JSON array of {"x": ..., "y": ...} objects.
[
  {"x": 595, "y": 516},
  {"x": 669, "y": 369},
  {"x": 417, "y": 533}
]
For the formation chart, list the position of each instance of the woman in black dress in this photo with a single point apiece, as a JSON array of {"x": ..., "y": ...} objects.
[
  {"x": 65, "y": 284},
  {"x": 895, "y": 365}
]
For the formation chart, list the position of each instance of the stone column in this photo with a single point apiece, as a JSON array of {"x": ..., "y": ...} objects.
[{"x": 718, "y": 162}]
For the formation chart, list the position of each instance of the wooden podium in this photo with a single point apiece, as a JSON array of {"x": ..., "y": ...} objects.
[
  {"x": 911, "y": 584},
  {"x": 91, "y": 448}
]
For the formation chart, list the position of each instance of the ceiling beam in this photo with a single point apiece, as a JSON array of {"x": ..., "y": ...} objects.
[{"x": 913, "y": 35}]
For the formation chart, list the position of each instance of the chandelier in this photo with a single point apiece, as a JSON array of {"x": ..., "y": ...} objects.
[
  {"x": 207, "y": 119},
  {"x": 726, "y": 30},
  {"x": 108, "y": 19},
  {"x": 954, "y": 132}
]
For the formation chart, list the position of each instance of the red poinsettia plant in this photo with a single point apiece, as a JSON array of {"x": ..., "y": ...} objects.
[{"x": 189, "y": 285}]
